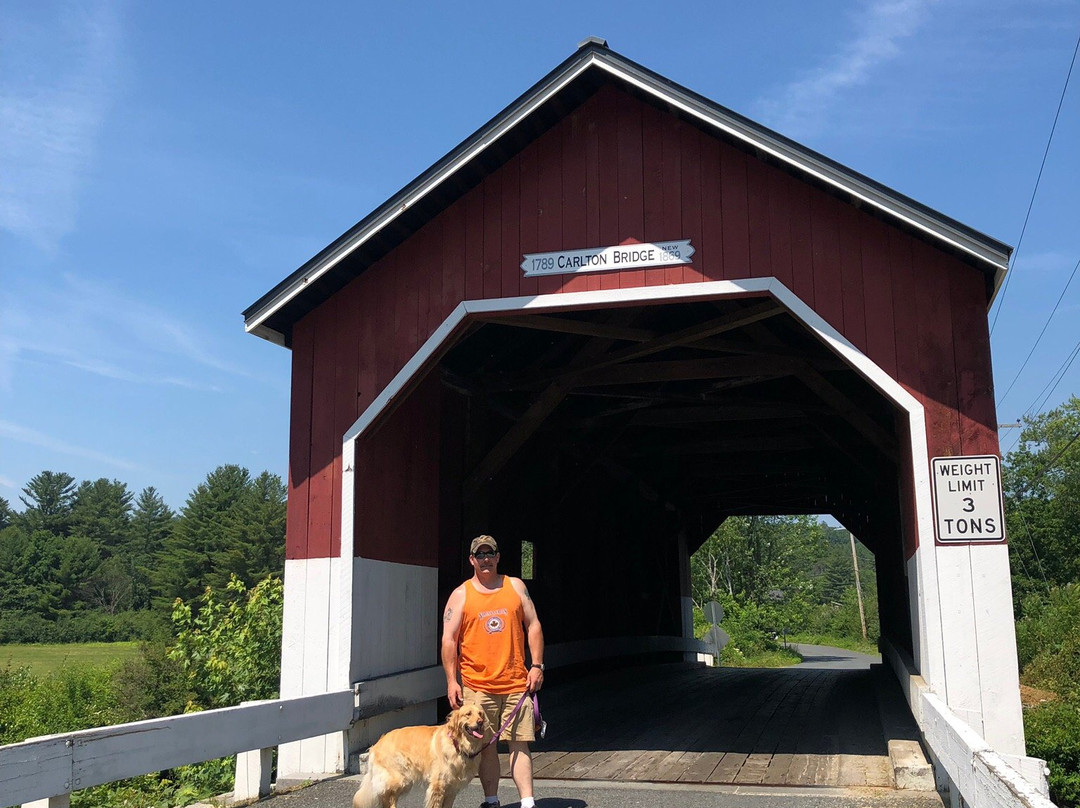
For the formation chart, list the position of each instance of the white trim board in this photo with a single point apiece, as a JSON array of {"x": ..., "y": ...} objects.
[
  {"x": 941, "y": 615},
  {"x": 928, "y": 647},
  {"x": 708, "y": 290}
]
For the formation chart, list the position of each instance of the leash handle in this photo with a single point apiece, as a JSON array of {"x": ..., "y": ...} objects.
[{"x": 538, "y": 721}]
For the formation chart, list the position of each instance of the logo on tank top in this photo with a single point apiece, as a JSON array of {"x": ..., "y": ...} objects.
[{"x": 493, "y": 621}]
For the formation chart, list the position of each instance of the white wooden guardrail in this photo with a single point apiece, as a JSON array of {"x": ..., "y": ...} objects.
[
  {"x": 50, "y": 768},
  {"x": 984, "y": 778},
  {"x": 44, "y": 771}
]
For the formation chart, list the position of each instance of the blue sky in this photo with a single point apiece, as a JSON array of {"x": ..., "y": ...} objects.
[{"x": 162, "y": 165}]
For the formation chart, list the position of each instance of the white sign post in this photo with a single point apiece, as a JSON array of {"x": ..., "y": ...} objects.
[
  {"x": 715, "y": 636},
  {"x": 967, "y": 499}
]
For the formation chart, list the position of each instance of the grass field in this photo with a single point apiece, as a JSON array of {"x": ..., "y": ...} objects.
[{"x": 45, "y": 658}]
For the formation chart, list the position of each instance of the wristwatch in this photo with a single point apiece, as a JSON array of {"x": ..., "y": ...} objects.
[{"x": 539, "y": 665}]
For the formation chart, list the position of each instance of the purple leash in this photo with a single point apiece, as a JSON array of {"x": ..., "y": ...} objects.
[{"x": 539, "y": 723}]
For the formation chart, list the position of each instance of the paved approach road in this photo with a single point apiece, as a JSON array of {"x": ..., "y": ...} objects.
[{"x": 825, "y": 656}]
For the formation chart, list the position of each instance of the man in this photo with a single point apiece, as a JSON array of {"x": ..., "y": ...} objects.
[{"x": 486, "y": 623}]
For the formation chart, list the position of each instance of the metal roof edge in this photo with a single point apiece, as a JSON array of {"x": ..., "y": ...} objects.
[
  {"x": 993, "y": 254},
  {"x": 974, "y": 243},
  {"x": 527, "y": 102}
]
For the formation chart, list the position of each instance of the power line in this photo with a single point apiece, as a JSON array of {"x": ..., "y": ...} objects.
[
  {"x": 1031, "y": 484},
  {"x": 1035, "y": 190},
  {"x": 1046, "y": 466},
  {"x": 1037, "y": 341},
  {"x": 1060, "y": 375},
  {"x": 1031, "y": 541},
  {"x": 1036, "y": 406}
]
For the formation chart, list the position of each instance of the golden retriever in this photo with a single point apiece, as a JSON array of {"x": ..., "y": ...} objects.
[{"x": 446, "y": 757}]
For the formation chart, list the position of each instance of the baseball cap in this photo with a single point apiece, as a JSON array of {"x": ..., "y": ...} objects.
[{"x": 480, "y": 541}]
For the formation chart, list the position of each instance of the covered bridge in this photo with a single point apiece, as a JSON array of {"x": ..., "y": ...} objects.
[{"x": 614, "y": 316}]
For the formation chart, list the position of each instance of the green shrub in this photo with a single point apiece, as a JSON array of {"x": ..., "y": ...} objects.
[
  {"x": 1048, "y": 641},
  {"x": 27, "y": 627},
  {"x": 1048, "y": 648},
  {"x": 151, "y": 685},
  {"x": 72, "y": 698},
  {"x": 227, "y": 650},
  {"x": 1053, "y": 734},
  {"x": 752, "y": 629},
  {"x": 841, "y": 619},
  {"x": 1058, "y": 669},
  {"x": 230, "y": 647},
  {"x": 149, "y": 791}
]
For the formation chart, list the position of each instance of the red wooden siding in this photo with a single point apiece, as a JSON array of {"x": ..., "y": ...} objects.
[
  {"x": 397, "y": 483},
  {"x": 296, "y": 532},
  {"x": 975, "y": 381},
  {"x": 617, "y": 169}
]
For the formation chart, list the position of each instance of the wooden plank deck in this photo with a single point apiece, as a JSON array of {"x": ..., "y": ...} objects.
[{"x": 690, "y": 724}]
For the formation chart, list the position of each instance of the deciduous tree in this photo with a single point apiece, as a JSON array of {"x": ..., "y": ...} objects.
[{"x": 1041, "y": 479}]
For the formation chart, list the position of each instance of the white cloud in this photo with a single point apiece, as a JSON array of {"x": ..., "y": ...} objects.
[
  {"x": 95, "y": 328},
  {"x": 56, "y": 80},
  {"x": 802, "y": 107},
  {"x": 1047, "y": 261},
  {"x": 32, "y": 437}
]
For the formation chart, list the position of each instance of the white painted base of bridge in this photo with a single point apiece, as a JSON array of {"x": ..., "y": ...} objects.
[{"x": 63, "y": 801}]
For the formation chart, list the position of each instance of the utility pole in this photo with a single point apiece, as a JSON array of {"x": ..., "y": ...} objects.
[{"x": 858, "y": 585}]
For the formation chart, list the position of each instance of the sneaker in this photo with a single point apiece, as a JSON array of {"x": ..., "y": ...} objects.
[{"x": 486, "y": 804}]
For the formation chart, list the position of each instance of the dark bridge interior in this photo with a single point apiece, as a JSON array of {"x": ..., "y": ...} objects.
[{"x": 609, "y": 438}]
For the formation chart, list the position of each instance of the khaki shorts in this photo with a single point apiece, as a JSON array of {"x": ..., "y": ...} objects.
[{"x": 497, "y": 709}]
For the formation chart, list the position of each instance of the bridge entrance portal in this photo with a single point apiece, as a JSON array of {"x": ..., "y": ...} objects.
[{"x": 615, "y": 316}]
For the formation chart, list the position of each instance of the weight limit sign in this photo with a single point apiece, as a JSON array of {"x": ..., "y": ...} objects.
[{"x": 967, "y": 499}]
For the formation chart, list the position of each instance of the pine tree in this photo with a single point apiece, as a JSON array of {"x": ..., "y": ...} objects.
[
  {"x": 151, "y": 524},
  {"x": 102, "y": 512},
  {"x": 256, "y": 537},
  {"x": 49, "y": 501},
  {"x": 29, "y": 572},
  {"x": 80, "y": 557},
  {"x": 206, "y": 528},
  {"x": 7, "y": 516}
]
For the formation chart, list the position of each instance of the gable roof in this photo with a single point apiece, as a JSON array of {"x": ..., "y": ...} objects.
[{"x": 592, "y": 65}]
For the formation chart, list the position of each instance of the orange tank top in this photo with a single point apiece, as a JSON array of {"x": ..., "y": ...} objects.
[{"x": 493, "y": 640}]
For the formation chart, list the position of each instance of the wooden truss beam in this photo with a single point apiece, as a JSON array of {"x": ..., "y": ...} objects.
[
  {"x": 683, "y": 337},
  {"x": 563, "y": 325},
  {"x": 534, "y": 416}
]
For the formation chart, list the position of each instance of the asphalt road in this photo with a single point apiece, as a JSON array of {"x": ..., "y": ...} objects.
[{"x": 824, "y": 656}]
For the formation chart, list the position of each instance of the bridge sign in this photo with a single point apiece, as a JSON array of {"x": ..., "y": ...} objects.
[
  {"x": 967, "y": 499},
  {"x": 714, "y": 612},
  {"x": 717, "y": 638}
]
